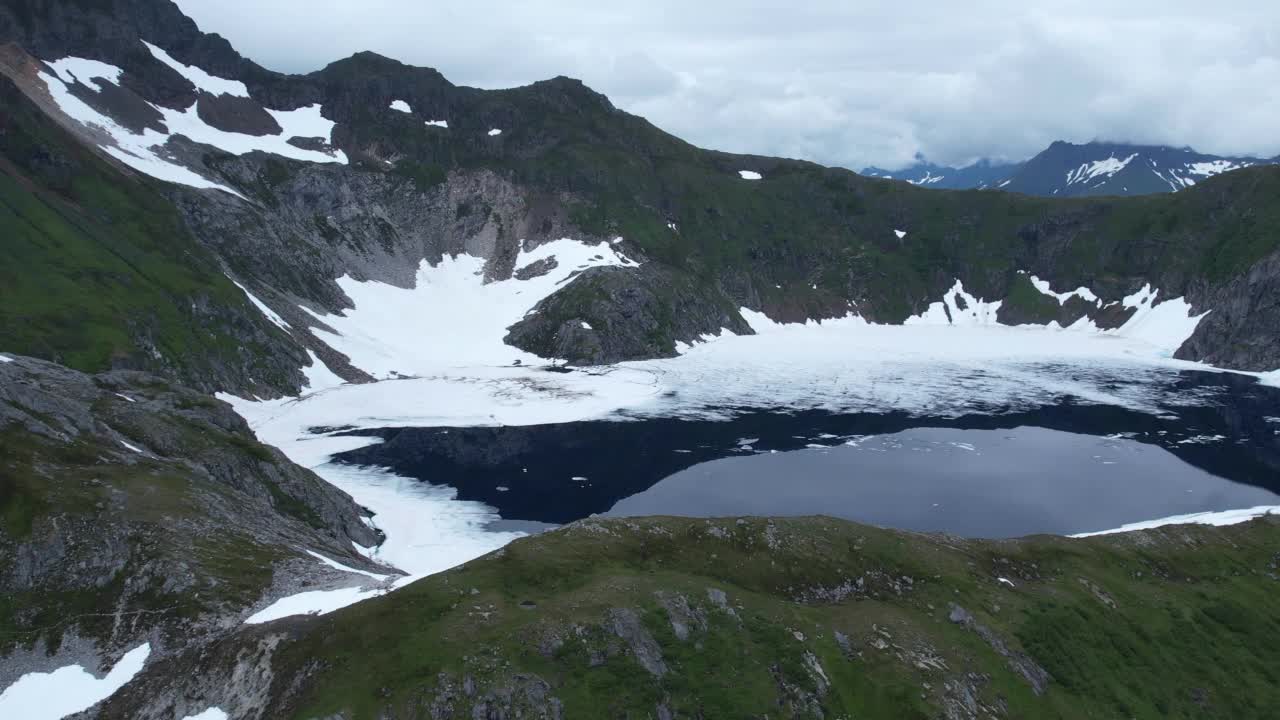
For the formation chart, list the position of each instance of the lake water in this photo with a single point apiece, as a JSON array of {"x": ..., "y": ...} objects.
[{"x": 1062, "y": 468}]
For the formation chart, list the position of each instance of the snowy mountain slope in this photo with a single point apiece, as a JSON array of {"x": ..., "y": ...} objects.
[
  {"x": 981, "y": 175},
  {"x": 308, "y": 188},
  {"x": 1068, "y": 170}
]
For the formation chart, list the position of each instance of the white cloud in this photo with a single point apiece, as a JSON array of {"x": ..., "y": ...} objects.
[{"x": 840, "y": 82}]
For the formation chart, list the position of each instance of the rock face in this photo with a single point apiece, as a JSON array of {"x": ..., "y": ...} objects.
[
  {"x": 1242, "y": 329},
  {"x": 137, "y": 510}
]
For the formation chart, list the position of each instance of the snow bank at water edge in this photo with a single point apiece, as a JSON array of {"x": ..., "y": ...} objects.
[
  {"x": 1164, "y": 326},
  {"x": 68, "y": 690},
  {"x": 1225, "y": 517},
  {"x": 427, "y": 529}
]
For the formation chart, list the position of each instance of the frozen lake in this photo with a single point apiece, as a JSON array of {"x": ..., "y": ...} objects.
[{"x": 1061, "y": 468}]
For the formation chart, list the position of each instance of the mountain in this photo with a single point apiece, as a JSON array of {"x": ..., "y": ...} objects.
[
  {"x": 1070, "y": 170},
  {"x": 1097, "y": 168},
  {"x": 179, "y": 225},
  {"x": 137, "y": 512},
  {"x": 981, "y": 175},
  {"x": 285, "y": 184}
]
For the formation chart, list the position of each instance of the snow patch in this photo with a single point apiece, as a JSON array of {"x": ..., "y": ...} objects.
[
  {"x": 400, "y": 106},
  {"x": 5, "y": 359},
  {"x": 314, "y": 602},
  {"x": 438, "y": 123},
  {"x": 1220, "y": 518},
  {"x": 144, "y": 152},
  {"x": 262, "y": 307},
  {"x": 344, "y": 568},
  {"x": 949, "y": 312},
  {"x": 1081, "y": 292},
  {"x": 133, "y": 447},
  {"x": 201, "y": 79},
  {"x": 750, "y": 175},
  {"x": 306, "y": 122},
  {"x": 394, "y": 331},
  {"x": 928, "y": 179},
  {"x": 1166, "y": 325},
  {"x": 900, "y": 233},
  {"x": 68, "y": 690},
  {"x": 1099, "y": 168},
  {"x": 73, "y": 69},
  {"x": 495, "y": 132},
  {"x": 586, "y": 325},
  {"x": 1162, "y": 327},
  {"x": 303, "y": 122},
  {"x": 212, "y": 713},
  {"x": 319, "y": 376},
  {"x": 1214, "y": 167}
]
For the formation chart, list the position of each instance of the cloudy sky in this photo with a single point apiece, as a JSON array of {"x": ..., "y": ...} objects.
[{"x": 842, "y": 82}]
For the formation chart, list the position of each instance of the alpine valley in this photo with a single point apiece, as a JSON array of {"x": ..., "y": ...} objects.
[{"x": 360, "y": 394}]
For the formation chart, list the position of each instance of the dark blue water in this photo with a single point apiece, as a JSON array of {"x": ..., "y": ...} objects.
[{"x": 1063, "y": 469}]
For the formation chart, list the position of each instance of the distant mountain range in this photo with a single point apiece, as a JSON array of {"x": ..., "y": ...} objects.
[{"x": 1069, "y": 170}]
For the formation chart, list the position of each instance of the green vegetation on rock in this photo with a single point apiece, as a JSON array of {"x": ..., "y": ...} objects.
[
  {"x": 98, "y": 271},
  {"x": 802, "y": 617}
]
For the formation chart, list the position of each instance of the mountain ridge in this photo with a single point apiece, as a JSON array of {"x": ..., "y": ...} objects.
[
  {"x": 1064, "y": 169},
  {"x": 599, "y": 173}
]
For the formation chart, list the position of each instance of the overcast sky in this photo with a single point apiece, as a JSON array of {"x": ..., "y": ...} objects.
[{"x": 842, "y": 82}]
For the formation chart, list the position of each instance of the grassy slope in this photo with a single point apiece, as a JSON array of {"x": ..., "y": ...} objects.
[
  {"x": 1191, "y": 632},
  {"x": 97, "y": 270}
]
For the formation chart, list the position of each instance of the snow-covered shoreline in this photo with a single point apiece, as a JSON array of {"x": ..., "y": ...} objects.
[
  {"x": 442, "y": 363},
  {"x": 1220, "y": 519}
]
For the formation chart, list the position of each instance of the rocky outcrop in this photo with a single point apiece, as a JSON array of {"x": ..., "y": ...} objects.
[
  {"x": 137, "y": 510},
  {"x": 607, "y": 315},
  {"x": 1242, "y": 329}
]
